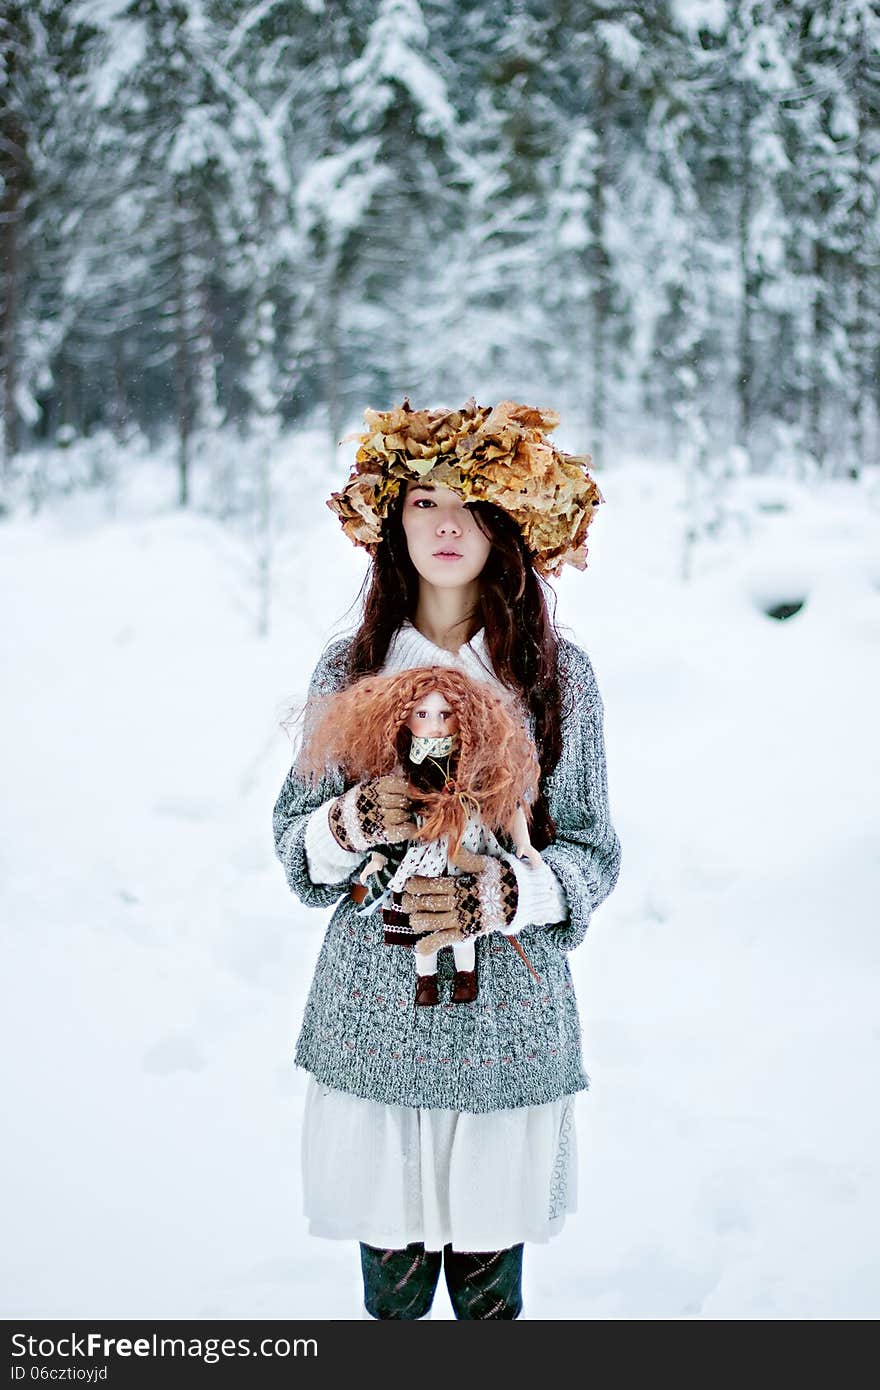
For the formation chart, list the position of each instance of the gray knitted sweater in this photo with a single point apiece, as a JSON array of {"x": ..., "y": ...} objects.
[{"x": 519, "y": 1043}]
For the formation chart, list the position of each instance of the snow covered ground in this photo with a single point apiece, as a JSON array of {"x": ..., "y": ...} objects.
[{"x": 155, "y": 964}]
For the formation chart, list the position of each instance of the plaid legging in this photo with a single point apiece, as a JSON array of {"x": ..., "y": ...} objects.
[{"x": 481, "y": 1284}]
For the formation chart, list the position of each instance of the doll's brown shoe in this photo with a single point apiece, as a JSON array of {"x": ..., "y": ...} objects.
[
  {"x": 464, "y": 987},
  {"x": 426, "y": 990}
]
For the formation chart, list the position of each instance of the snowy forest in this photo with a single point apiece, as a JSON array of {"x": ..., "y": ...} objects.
[
  {"x": 660, "y": 218},
  {"x": 227, "y": 227}
]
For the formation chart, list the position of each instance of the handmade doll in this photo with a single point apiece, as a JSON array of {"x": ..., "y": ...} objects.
[{"x": 471, "y": 769}]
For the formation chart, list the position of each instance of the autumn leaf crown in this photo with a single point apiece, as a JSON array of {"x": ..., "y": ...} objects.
[{"x": 494, "y": 454}]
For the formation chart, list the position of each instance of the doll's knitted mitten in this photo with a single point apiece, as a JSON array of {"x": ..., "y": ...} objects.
[
  {"x": 374, "y": 812},
  {"x": 456, "y": 908}
]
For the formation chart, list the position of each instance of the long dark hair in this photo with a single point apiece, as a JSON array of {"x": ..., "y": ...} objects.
[{"x": 520, "y": 630}]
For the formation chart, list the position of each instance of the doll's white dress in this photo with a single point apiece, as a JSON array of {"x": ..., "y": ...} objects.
[{"x": 390, "y": 1175}]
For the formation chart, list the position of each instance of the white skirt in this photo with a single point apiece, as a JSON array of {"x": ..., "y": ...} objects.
[{"x": 390, "y": 1175}]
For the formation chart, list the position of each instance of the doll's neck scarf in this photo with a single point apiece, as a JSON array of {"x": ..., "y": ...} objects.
[{"x": 422, "y": 748}]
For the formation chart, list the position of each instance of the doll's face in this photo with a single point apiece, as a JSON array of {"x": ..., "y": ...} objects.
[{"x": 432, "y": 717}]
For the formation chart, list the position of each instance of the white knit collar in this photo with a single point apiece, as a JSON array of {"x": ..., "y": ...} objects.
[
  {"x": 478, "y": 641},
  {"x": 409, "y": 647}
]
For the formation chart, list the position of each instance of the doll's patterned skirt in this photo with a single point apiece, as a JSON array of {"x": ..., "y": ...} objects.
[{"x": 389, "y": 1175}]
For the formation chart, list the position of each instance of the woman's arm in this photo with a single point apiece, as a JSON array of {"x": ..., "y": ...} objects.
[
  {"x": 300, "y": 813},
  {"x": 581, "y": 867},
  {"x": 327, "y": 861},
  {"x": 540, "y": 900},
  {"x": 585, "y": 855}
]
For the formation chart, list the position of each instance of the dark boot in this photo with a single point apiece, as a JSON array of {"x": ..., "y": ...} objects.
[
  {"x": 464, "y": 987},
  {"x": 426, "y": 989}
]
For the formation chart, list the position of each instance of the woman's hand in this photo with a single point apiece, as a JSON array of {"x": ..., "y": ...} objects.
[
  {"x": 454, "y": 909},
  {"x": 378, "y": 811}
]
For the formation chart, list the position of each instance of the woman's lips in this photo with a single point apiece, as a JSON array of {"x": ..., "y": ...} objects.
[{"x": 446, "y": 555}]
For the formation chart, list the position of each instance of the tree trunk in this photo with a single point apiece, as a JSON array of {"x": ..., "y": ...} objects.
[
  {"x": 333, "y": 380},
  {"x": 816, "y": 394},
  {"x": 182, "y": 367},
  {"x": 119, "y": 418},
  {"x": 601, "y": 271},
  {"x": 13, "y": 148},
  {"x": 858, "y": 383},
  {"x": 264, "y": 541},
  {"x": 745, "y": 355}
]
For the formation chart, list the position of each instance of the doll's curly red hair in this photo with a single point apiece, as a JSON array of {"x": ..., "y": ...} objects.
[{"x": 494, "y": 768}]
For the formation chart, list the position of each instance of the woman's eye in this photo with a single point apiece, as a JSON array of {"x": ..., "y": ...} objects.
[{"x": 429, "y": 502}]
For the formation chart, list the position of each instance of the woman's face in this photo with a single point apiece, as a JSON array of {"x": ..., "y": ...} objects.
[
  {"x": 443, "y": 537},
  {"x": 432, "y": 717}
]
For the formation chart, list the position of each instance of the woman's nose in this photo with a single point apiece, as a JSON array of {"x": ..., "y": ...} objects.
[{"x": 448, "y": 523}]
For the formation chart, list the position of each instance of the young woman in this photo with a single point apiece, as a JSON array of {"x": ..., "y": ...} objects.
[{"x": 444, "y": 1137}]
